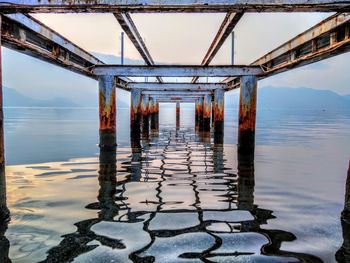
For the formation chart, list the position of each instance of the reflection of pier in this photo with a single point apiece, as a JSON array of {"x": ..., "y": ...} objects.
[{"x": 189, "y": 208}]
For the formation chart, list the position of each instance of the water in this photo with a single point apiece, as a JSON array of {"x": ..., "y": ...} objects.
[{"x": 179, "y": 198}]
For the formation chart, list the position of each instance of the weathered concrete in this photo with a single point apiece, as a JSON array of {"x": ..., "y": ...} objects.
[
  {"x": 218, "y": 115},
  {"x": 135, "y": 113},
  {"x": 206, "y": 112},
  {"x": 153, "y": 114},
  {"x": 107, "y": 111},
  {"x": 199, "y": 109},
  {"x": 2, "y": 147},
  {"x": 247, "y": 113},
  {"x": 145, "y": 114}
]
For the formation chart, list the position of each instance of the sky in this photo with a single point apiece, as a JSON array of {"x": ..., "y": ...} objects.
[{"x": 172, "y": 39}]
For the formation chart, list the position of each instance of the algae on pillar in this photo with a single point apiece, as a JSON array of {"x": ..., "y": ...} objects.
[
  {"x": 107, "y": 111},
  {"x": 247, "y": 113}
]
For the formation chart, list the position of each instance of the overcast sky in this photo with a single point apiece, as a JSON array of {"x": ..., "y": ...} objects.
[{"x": 177, "y": 39}]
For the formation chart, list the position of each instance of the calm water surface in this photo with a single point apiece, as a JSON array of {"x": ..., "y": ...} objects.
[{"x": 178, "y": 197}]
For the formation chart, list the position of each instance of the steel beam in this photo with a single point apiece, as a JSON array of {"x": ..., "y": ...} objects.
[
  {"x": 107, "y": 111},
  {"x": 230, "y": 21},
  {"x": 130, "y": 29},
  {"x": 175, "y": 86},
  {"x": 29, "y": 36},
  {"x": 108, "y": 6},
  {"x": 328, "y": 38},
  {"x": 176, "y": 71}
]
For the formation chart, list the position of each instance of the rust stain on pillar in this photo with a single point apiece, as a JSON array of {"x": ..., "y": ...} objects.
[
  {"x": 200, "y": 113},
  {"x": 153, "y": 113},
  {"x": 218, "y": 115},
  {"x": 135, "y": 106},
  {"x": 247, "y": 113},
  {"x": 206, "y": 112},
  {"x": 145, "y": 114},
  {"x": 107, "y": 111}
]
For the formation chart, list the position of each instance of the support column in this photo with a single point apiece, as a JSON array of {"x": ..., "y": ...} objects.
[
  {"x": 247, "y": 114},
  {"x": 218, "y": 115},
  {"x": 200, "y": 114},
  {"x": 153, "y": 114},
  {"x": 107, "y": 111},
  {"x": 135, "y": 113},
  {"x": 206, "y": 112},
  {"x": 145, "y": 114},
  {"x": 196, "y": 114},
  {"x": 177, "y": 115},
  {"x": 157, "y": 115}
]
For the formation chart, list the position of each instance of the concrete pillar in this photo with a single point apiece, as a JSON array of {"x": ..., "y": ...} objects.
[
  {"x": 177, "y": 115},
  {"x": 218, "y": 115},
  {"x": 157, "y": 115},
  {"x": 196, "y": 117},
  {"x": 247, "y": 113},
  {"x": 200, "y": 113},
  {"x": 2, "y": 148},
  {"x": 107, "y": 111},
  {"x": 206, "y": 112},
  {"x": 153, "y": 114},
  {"x": 135, "y": 113},
  {"x": 145, "y": 114}
]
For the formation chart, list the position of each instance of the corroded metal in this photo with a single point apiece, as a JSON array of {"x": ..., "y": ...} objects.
[
  {"x": 230, "y": 21},
  {"x": 199, "y": 110},
  {"x": 218, "y": 115},
  {"x": 135, "y": 112},
  {"x": 150, "y": 6},
  {"x": 247, "y": 113},
  {"x": 107, "y": 111},
  {"x": 206, "y": 112},
  {"x": 176, "y": 70},
  {"x": 145, "y": 114},
  {"x": 131, "y": 30},
  {"x": 153, "y": 111}
]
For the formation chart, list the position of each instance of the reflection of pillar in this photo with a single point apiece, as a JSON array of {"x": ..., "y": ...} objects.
[
  {"x": 135, "y": 112},
  {"x": 343, "y": 254},
  {"x": 177, "y": 115},
  {"x": 246, "y": 181},
  {"x": 107, "y": 111},
  {"x": 108, "y": 182},
  {"x": 153, "y": 114},
  {"x": 218, "y": 158},
  {"x": 145, "y": 114},
  {"x": 247, "y": 113},
  {"x": 206, "y": 112},
  {"x": 218, "y": 119}
]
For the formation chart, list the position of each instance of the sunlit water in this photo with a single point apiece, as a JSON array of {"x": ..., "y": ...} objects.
[{"x": 179, "y": 198}]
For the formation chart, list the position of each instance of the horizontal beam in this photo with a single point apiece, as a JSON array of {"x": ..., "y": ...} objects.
[
  {"x": 115, "y": 6},
  {"x": 29, "y": 36},
  {"x": 176, "y": 93},
  {"x": 175, "y": 86},
  {"x": 328, "y": 38},
  {"x": 184, "y": 100},
  {"x": 230, "y": 21},
  {"x": 130, "y": 29},
  {"x": 176, "y": 71}
]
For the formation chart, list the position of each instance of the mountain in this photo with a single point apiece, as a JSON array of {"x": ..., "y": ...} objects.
[
  {"x": 13, "y": 98},
  {"x": 294, "y": 98}
]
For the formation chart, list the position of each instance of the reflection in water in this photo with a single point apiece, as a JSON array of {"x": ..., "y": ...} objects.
[
  {"x": 175, "y": 200},
  {"x": 343, "y": 254},
  {"x": 4, "y": 219}
]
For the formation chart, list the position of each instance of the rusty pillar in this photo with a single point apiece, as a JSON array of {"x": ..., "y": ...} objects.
[
  {"x": 153, "y": 114},
  {"x": 196, "y": 114},
  {"x": 157, "y": 115},
  {"x": 206, "y": 112},
  {"x": 218, "y": 115},
  {"x": 343, "y": 254},
  {"x": 200, "y": 113},
  {"x": 177, "y": 115},
  {"x": 145, "y": 115},
  {"x": 107, "y": 111},
  {"x": 247, "y": 114},
  {"x": 135, "y": 113}
]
